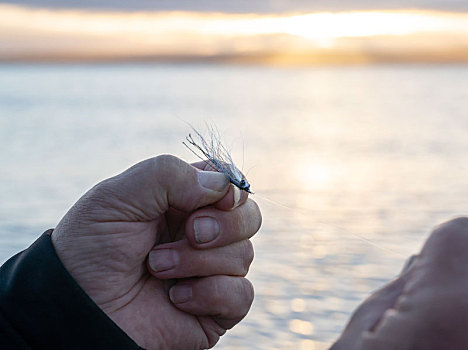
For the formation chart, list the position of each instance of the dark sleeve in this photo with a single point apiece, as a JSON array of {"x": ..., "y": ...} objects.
[{"x": 42, "y": 307}]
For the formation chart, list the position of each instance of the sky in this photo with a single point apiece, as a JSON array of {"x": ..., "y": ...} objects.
[
  {"x": 249, "y": 6},
  {"x": 255, "y": 32}
]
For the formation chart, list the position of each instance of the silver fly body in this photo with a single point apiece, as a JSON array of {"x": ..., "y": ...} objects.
[{"x": 217, "y": 155}]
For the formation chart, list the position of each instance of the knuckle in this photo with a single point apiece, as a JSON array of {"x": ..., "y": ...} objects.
[
  {"x": 231, "y": 296},
  {"x": 249, "y": 293},
  {"x": 247, "y": 255},
  {"x": 171, "y": 172},
  {"x": 164, "y": 159},
  {"x": 447, "y": 246},
  {"x": 452, "y": 233},
  {"x": 164, "y": 164},
  {"x": 454, "y": 224},
  {"x": 255, "y": 209}
]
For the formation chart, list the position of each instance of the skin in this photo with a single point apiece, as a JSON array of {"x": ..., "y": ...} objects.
[
  {"x": 117, "y": 240},
  {"x": 130, "y": 243},
  {"x": 426, "y": 307}
]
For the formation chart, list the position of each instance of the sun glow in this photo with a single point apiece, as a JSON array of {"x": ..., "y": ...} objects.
[
  {"x": 28, "y": 31},
  {"x": 369, "y": 23},
  {"x": 314, "y": 175}
]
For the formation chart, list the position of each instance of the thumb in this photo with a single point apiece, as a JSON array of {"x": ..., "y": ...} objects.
[{"x": 151, "y": 187}]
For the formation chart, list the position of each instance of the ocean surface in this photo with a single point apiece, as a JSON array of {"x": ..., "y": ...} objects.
[{"x": 351, "y": 166}]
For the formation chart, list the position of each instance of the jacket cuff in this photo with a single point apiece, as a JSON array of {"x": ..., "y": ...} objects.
[{"x": 48, "y": 309}]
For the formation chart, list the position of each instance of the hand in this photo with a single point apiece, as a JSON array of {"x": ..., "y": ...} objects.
[
  {"x": 139, "y": 245},
  {"x": 426, "y": 307}
]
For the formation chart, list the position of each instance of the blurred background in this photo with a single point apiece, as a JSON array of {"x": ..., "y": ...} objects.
[{"x": 349, "y": 118}]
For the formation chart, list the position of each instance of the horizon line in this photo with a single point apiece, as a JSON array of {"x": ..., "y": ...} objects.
[{"x": 260, "y": 59}]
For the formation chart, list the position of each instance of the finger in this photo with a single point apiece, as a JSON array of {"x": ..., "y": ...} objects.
[
  {"x": 449, "y": 239},
  {"x": 370, "y": 312},
  {"x": 227, "y": 298},
  {"x": 235, "y": 196},
  {"x": 180, "y": 260},
  {"x": 204, "y": 165},
  {"x": 409, "y": 264},
  {"x": 210, "y": 227},
  {"x": 434, "y": 295},
  {"x": 150, "y": 187}
]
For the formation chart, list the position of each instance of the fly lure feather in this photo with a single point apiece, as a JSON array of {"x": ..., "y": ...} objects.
[{"x": 217, "y": 155}]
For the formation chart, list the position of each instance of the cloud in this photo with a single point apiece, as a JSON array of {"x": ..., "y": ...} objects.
[
  {"x": 247, "y": 6},
  {"x": 28, "y": 34}
]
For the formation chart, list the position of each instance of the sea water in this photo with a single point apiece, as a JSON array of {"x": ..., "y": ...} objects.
[{"x": 351, "y": 167}]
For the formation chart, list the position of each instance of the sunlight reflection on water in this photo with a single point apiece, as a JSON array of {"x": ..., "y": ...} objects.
[{"x": 351, "y": 167}]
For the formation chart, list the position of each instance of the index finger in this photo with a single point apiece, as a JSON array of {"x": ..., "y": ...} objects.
[
  {"x": 209, "y": 227},
  {"x": 233, "y": 198}
]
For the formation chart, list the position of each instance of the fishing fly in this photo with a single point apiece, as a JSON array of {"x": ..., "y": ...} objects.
[
  {"x": 214, "y": 153},
  {"x": 217, "y": 155}
]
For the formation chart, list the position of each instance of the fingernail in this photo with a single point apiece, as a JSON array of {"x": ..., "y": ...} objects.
[
  {"x": 163, "y": 259},
  {"x": 206, "y": 229},
  {"x": 180, "y": 293},
  {"x": 237, "y": 196},
  {"x": 212, "y": 180}
]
